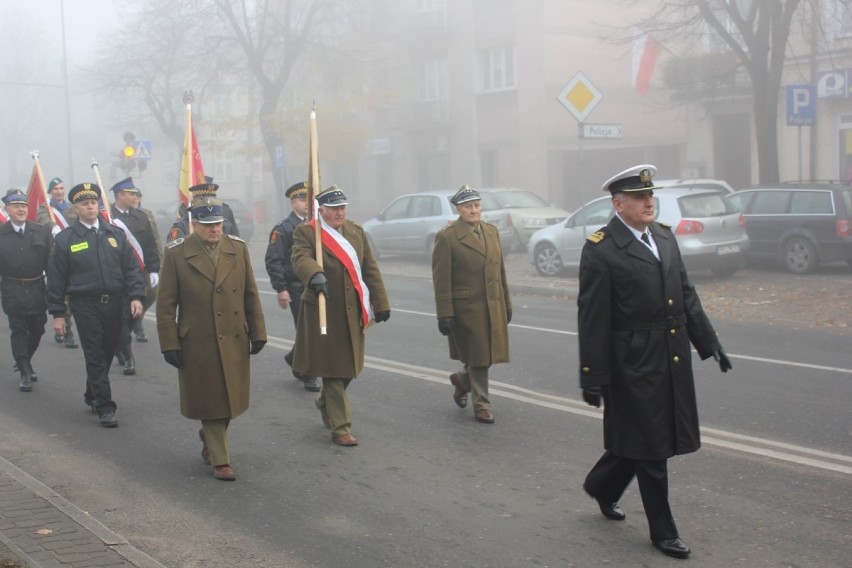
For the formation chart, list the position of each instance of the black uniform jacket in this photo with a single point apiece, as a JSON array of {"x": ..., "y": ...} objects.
[
  {"x": 636, "y": 318},
  {"x": 278, "y": 252},
  {"x": 23, "y": 261},
  {"x": 84, "y": 263},
  {"x": 138, "y": 223}
]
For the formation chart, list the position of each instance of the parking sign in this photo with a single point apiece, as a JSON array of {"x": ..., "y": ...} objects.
[{"x": 801, "y": 105}]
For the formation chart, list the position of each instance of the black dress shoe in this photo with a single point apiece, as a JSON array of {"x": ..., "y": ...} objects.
[
  {"x": 58, "y": 337},
  {"x": 672, "y": 547},
  {"x": 108, "y": 420},
  {"x": 611, "y": 511},
  {"x": 90, "y": 403},
  {"x": 288, "y": 358},
  {"x": 70, "y": 343},
  {"x": 130, "y": 366},
  {"x": 141, "y": 337},
  {"x": 313, "y": 384}
]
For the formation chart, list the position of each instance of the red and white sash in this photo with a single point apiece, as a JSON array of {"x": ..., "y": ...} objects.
[
  {"x": 134, "y": 244},
  {"x": 343, "y": 251},
  {"x": 59, "y": 221}
]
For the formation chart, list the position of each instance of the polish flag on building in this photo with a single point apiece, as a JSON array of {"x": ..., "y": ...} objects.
[{"x": 645, "y": 52}]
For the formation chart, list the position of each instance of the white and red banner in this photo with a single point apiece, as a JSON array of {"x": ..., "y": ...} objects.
[{"x": 646, "y": 49}]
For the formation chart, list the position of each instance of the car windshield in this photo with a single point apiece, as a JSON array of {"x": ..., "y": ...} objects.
[
  {"x": 705, "y": 205},
  {"x": 517, "y": 199}
]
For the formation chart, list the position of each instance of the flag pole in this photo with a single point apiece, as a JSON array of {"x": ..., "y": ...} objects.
[
  {"x": 314, "y": 181},
  {"x": 190, "y": 159},
  {"x": 40, "y": 175},
  {"x": 100, "y": 183}
]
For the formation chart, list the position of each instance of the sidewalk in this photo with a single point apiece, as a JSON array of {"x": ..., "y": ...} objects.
[{"x": 40, "y": 529}]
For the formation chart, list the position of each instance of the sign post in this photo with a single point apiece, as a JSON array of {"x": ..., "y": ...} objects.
[{"x": 801, "y": 111}]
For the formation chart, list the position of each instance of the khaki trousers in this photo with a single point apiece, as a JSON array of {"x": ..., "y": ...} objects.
[
  {"x": 335, "y": 401},
  {"x": 475, "y": 381},
  {"x": 216, "y": 436}
]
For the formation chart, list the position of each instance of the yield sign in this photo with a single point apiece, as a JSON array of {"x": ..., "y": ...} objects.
[{"x": 579, "y": 96}]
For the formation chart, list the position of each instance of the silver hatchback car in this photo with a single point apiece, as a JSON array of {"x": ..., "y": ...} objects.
[
  {"x": 709, "y": 230},
  {"x": 409, "y": 223}
]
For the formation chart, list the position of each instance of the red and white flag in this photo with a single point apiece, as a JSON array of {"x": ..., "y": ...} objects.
[
  {"x": 37, "y": 193},
  {"x": 645, "y": 52}
]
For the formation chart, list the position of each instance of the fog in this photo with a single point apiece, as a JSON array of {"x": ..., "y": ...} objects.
[{"x": 409, "y": 96}]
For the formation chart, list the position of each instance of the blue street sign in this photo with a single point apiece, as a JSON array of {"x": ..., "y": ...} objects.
[
  {"x": 279, "y": 157},
  {"x": 143, "y": 150},
  {"x": 801, "y": 105}
]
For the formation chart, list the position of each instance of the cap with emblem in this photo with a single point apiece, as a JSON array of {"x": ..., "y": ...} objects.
[
  {"x": 83, "y": 191},
  {"x": 637, "y": 178},
  {"x": 53, "y": 183},
  {"x": 332, "y": 197},
  {"x": 124, "y": 185},
  {"x": 203, "y": 189},
  {"x": 208, "y": 211},
  {"x": 465, "y": 194},
  {"x": 15, "y": 196},
  {"x": 296, "y": 190}
]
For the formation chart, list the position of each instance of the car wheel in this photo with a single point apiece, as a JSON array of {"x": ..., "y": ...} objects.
[
  {"x": 724, "y": 271},
  {"x": 377, "y": 254},
  {"x": 547, "y": 260},
  {"x": 799, "y": 256}
]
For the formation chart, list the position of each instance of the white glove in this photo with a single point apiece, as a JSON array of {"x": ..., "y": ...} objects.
[{"x": 154, "y": 278}]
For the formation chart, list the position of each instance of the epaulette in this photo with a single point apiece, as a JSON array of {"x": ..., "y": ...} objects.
[
  {"x": 175, "y": 243},
  {"x": 236, "y": 238},
  {"x": 664, "y": 225},
  {"x": 596, "y": 237},
  {"x": 356, "y": 224},
  {"x": 444, "y": 228}
]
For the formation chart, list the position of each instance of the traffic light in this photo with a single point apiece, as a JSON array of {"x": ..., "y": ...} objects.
[{"x": 128, "y": 153}]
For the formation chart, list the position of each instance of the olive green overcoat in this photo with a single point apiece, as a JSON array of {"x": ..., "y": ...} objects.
[
  {"x": 469, "y": 278},
  {"x": 340, "y": 354},
  {"x": 212, "y": 315}
]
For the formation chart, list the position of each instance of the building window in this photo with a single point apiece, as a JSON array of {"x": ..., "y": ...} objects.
[
  {"x": 223, "y": 166},
  {"x": 497, "y": 68},
  {"x": 837, "y": 19},
  {"x": 435, "y": 79}
]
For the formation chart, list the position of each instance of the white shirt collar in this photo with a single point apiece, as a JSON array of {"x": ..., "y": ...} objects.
[
  {"x": 637, "y": 234},
  {"x": 17, "y": 227}
]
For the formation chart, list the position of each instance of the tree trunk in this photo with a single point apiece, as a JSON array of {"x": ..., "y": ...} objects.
[{"x": 765, "y": 102}]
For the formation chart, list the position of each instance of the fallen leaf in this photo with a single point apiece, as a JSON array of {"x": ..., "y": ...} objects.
[{"x": 44, "y": 531}]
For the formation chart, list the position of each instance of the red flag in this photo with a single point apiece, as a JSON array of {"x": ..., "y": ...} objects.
[
  {"x": 3, "y": 216},
  {"x": 191, "y": 169},
  {"x": 645, "y": 52},
  {"x": 37, "y": 193}
]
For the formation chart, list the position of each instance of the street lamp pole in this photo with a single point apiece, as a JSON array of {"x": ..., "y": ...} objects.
[{"x": 67, "y": 94}]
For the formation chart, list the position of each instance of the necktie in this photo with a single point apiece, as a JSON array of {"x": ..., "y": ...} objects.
[
  {"x": 477, "y": 233},
  {"x": 21, "y": 231},
  {"x": 645, "y": 239}
]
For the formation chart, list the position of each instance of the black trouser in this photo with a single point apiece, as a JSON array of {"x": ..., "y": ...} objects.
[
  {"x": 26, "y": 334},
  {"x": 611, "y": 476},
  {"x": 295, "y": 305},
  {"x": 99, "y": 326},
  {"x": 150, "y": 297}
]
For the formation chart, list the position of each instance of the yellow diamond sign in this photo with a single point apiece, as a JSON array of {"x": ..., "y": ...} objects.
[{"x": 579, "y": 96}]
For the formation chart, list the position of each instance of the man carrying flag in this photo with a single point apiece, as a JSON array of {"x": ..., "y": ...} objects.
[
  {"x": 62, "y": 216},
  {"x": 349, "y": 276}
]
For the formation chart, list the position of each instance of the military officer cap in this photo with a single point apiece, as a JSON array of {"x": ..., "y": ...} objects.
[
  {"x": 15, "y": 196},
  {"x": 297, "y": 190},
  {"x": 83, "y": 191},
  {"x": 465, "y": 194},
  {"x": 124, "y": 185},
  {"x": 332, "y": 197},
  {"x": 637, "y": 178},
  {"x": 53, "y": 183},
  {"x": 203, "y": 189},
  {"x": 208, "y": 210}
]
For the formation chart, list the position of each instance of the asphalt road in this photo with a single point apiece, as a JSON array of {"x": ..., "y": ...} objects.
[{"x": 429, "y": 486}]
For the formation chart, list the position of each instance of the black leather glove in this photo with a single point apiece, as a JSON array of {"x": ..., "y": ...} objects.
[
  {"x": 318, "y": 283},
  {"x": 592, "y": 396},
  {"x": 174, "y": 358},
  {"x": 509, "y": 315},
  {"x": 722, "y": 358},
  {"x": 382, "y": 316},
  {"x": 446, "y": 325},
  {"x": 256, "y": 346}
]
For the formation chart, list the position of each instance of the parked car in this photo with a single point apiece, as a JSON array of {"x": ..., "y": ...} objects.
[
  {"x": 167, "y": 216},
  {"x": 696, "y": 183},
  {"x": 409, "y": 223},
  {"x": 709, "y": 230},
  {"x": 523, "y": 212},
  {"x": 799, "y": 225}
]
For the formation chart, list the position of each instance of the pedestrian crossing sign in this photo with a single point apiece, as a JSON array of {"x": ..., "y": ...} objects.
[{"x": 143, "y": 150}]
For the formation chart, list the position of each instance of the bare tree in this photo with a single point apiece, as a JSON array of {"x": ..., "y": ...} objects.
[{"x": 751, "y": 35}]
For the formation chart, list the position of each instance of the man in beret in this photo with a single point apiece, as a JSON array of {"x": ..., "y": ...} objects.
[
  {"x": 93, "y": 264},
  {"x": 63, "y": 216},
  {"x": 24, "y": 249},
  {"x": 468, "y": 256},
  {"x": 637, "y": 314},
  {"x": 352, "y": 284},
  {"x": 199, "y": 192},
  {"x": 280, "y": 268},
  {"x": 150, "y": 291},
  {"x": 209, "y": 321},
  {"x": 144, "y": 244}
]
